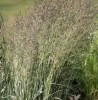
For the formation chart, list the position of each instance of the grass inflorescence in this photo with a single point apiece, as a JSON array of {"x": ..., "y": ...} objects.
[{"x": 48, "y": 53}]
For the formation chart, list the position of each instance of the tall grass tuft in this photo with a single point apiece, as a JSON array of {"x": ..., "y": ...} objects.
[{"x": 46, "y": 49}]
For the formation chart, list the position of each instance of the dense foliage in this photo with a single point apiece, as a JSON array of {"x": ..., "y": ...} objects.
[{"x": 50, "y": 53}]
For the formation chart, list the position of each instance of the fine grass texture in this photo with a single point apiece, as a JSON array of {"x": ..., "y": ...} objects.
[
  {"x": 91, "y": 69},
  {"x": 48, "y": 54}
]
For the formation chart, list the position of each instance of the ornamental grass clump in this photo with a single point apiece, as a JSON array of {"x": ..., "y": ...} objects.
[{"x": 46, "y": 50}]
